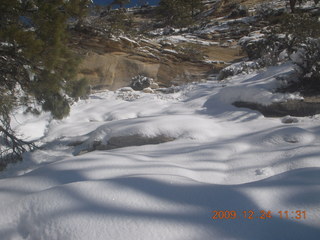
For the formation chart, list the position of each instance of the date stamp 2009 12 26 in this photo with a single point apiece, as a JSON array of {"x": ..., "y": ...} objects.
[{"x": 259, "y": 214}]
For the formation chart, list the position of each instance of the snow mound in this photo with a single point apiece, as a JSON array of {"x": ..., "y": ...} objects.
[
  {"x": 75, "y": 217},
  {"x": 289, "y": 135},
  {"x": 168, "y": 126}
]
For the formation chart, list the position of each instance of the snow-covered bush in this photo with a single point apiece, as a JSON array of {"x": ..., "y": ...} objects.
[
  {"x": 307, "y": 60},
  {"x": 238, "y": 68},
  {"x": 266, "y": 47},
  {"x": 287, "y": 33},
  {"x": 140, "y": 82},
  {"x": 274, "y": 51},
  {"x": 238, "y": 11},
  {"x": 269, "y": 9},
  {"x": 253, "y": 44},
  {"x": 302, "y": 42}
]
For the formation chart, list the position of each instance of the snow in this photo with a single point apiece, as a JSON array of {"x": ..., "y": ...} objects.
[
  {"x": 214, "y": 61},
  {"x": 29, "y": 127},
  {"x": 171, "y": 51},
  {"x": 224, "y": 25},
  {"x": 255, "y": 36},
  {"x": 257, "y": 88},
  {"x": 6, "y": 44},
  {"x": 185, "y": 38},
  {"x": 222, "y": 158},
  {"x": 129, "y": 40}
]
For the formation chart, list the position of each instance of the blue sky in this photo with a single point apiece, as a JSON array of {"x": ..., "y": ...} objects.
[{"x": 133, "y": 2}]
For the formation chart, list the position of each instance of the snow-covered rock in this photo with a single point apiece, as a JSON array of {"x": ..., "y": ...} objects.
[
  {"x": 238, "y": 68},
  {"x": 147, "y": 90},
  {"x": 140, "y": 82},
  {"x": 154, "y": 85}
]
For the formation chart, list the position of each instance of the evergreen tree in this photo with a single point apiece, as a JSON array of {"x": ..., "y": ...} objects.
[
  {"x": 35, "y": 58},
  {"x": 179, "y": 12},
  {"x": 121, "y": 3},
  {"x": 143, "y": 3}
]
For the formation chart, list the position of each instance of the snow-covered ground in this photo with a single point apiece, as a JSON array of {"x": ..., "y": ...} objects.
[{"x": 223, "y": 159}]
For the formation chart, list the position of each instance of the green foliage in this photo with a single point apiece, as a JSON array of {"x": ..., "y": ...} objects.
[
  {"x": 179, "y": 13},
  {"x": 6, "y": 106},
  {"x": 143, "y": 3},
  {"x": 119, "y": 21},
  {"x": 79, "y": 89},
  {"x": 57, "y": 105},
  {"x": 37, "y": 33},
  {"x": 35, "y": 58},
  {"x": 121, "y": 3},
  {"x": 289, "y": 32},
  {"x": 299, "y": 27}
]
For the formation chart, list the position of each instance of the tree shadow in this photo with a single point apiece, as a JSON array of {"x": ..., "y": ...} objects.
[{"x": 169, "y": 200}]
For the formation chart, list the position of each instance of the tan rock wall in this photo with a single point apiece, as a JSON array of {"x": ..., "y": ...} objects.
[
  {"x": 110, "y": 64},
  {"x": 115, "y": 70},
  {"x": 112, "y": 70}
]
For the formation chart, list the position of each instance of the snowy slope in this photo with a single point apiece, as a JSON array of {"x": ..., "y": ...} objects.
[{"x": 222, "y": 159}]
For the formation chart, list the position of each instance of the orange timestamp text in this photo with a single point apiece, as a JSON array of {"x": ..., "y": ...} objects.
[{"x": 259, "y": 214}]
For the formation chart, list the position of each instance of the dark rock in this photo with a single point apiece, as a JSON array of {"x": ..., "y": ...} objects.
[
  {"x": 140, "y": 82},
  {"x": 293, "y": 108},
  {"x": 254, "y": 49},
  {"x": 289, "y": 120},
  {"x": 133, "y": 140},
  {"x": 237, "y": 68},
  {"x": 121, "y": 142}
]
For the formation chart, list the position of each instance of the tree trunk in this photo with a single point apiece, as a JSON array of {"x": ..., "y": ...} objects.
[{"x": 292, "y": 5}]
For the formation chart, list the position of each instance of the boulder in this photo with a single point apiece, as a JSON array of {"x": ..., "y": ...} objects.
[{"x": 289, "y": 120}]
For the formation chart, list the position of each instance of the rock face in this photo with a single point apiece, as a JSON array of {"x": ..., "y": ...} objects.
[
  {"x": 169, "y": 56},
  {"x": 111, "y": 64},
  {"x": 114, "y": 70}
]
